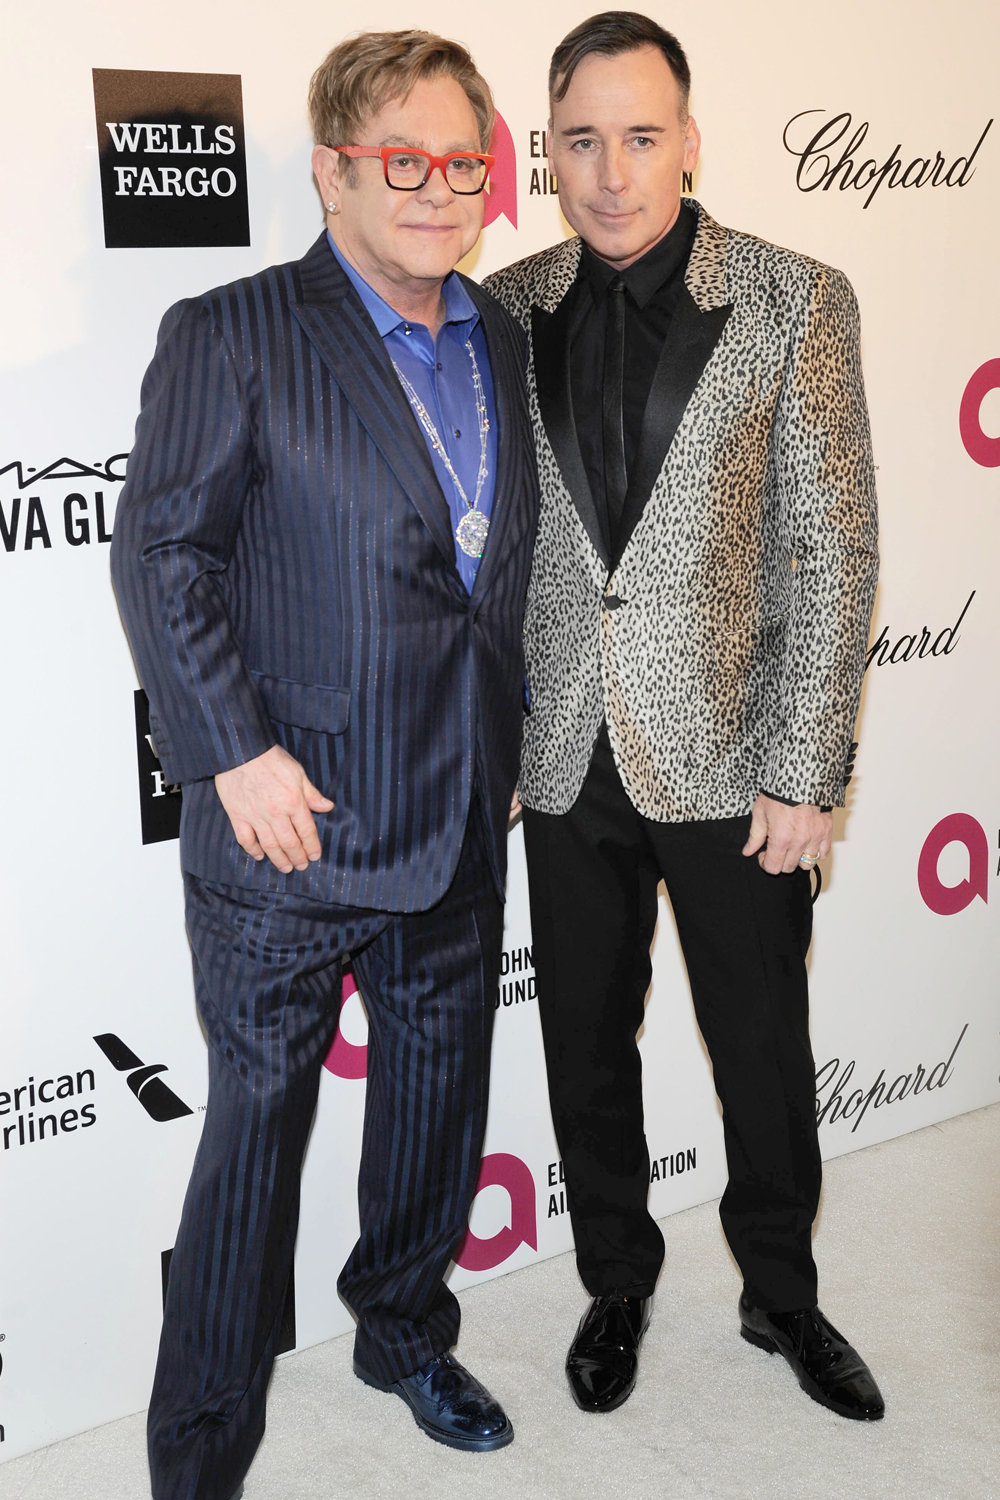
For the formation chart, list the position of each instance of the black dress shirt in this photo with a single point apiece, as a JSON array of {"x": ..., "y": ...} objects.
[{"x": 652, "y": 289}]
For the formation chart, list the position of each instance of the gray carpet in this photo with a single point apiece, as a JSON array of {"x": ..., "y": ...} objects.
[{"x": 907, "y": 1246}]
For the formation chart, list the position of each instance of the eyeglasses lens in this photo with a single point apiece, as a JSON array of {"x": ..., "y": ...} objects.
[{"x": 409, "y": 169}]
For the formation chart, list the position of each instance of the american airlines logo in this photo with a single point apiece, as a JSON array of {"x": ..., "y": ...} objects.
[{"x": 159, "y": 1101}]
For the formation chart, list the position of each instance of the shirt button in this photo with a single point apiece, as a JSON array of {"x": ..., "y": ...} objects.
[
  {"x": 440, "y": 367},
  {"x": 407, "y": 328},
  {"x": 458, "y": 432}
]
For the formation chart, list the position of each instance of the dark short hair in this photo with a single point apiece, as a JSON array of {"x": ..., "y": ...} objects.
[{"x": 609, "y": 35}]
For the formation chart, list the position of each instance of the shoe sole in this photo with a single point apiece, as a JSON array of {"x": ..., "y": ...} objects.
[
  {"x": 761, "y": 1341},
  {"x": 465, "y": 1445}
]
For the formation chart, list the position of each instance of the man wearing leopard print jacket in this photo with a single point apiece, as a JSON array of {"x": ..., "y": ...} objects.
[{"x": 695, "y": 639}]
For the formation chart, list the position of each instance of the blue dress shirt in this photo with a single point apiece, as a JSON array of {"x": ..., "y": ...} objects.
[{"x": 440, "y": 372}]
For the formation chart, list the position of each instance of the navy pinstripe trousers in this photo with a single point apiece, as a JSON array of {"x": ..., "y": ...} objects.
[{"x": 267, "y": 976}]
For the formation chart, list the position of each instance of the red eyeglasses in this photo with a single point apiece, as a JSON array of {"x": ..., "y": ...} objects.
[{"x": 406, "y": 170}]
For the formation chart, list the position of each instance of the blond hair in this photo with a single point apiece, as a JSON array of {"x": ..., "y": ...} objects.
[{"x": 366, "y": 72}]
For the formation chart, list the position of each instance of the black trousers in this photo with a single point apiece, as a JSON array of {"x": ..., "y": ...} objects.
[
  {"x": 268, "y": 972},
  {"x": 592, "y": 878}
]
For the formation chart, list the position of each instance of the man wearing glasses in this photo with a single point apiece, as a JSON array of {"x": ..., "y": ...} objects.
[{"x": 321, "y": 558}]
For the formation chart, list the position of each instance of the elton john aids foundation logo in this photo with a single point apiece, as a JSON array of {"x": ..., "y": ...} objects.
[
  {"x": 944, "y": 899},
  {"x": 348, "y": 1059},
  {"x": 501, "y": 190},
  {"x": 511, "y": 1174},
  {"x": 981, "y": 447}
]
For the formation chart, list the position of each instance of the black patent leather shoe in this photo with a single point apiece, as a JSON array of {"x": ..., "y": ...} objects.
[
  {"x": 603, "y": 1359},
  {"x": 829, "y": 1369},
  {"x": 449, "y": 1405},
  {"x": 238, "y": 1495}
]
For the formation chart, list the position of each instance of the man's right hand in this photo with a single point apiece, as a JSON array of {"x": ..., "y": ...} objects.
[{"x": 270, "y": 802}]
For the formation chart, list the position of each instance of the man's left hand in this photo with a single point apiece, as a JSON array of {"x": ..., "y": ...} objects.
[{"x": 779, "y": 834}]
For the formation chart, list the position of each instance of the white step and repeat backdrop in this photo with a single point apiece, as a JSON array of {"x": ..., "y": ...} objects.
[{"x": 863, "y": 135}]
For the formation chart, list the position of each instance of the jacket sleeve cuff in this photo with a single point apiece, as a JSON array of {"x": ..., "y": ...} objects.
[{"x": 790, "y": 802}]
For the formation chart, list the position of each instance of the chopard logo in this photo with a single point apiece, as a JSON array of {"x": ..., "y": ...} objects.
[
  {"x": 837, "y": 1100},
  {"x": 832, "y": 155},
  {"x": 889, "y": 652}
]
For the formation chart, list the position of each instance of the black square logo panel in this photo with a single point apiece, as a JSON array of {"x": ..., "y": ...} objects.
[
  {"x": 159, "y": 802},
  {"x": 173, "y": 158}
]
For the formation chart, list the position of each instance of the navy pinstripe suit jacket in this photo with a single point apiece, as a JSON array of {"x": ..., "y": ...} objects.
[{"x": 284, "y": 564}]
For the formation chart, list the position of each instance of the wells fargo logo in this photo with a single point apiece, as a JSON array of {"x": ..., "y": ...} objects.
[{"x": 172, "y": 157}]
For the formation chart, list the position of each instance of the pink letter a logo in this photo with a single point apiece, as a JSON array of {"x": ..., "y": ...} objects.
[
  {"x": 344, "y": 1058},
  {"x": 985, "y": 450},
  {"x": 946, "y": 900},
  {"x": 511, "y": 1173}
]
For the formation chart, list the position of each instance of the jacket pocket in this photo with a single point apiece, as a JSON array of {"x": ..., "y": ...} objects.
[
  {"x": 755, "y": 626},
  {"x": 307, "y": 705}
]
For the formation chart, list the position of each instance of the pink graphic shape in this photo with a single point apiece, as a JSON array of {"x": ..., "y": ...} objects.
[
  {"x": 979, "y": 446},
  {"x": 510, "y": 1173},
  {"x": 501, "y": 189},
  {"x": 946, "y": 900},
  {"x": 344, "y": 1058}
]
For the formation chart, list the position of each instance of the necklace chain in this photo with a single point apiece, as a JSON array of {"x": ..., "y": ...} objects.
[{"x": 427, "y": 423}]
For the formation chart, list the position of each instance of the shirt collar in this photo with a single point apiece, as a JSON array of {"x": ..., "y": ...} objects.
[
  {"x": 645, "y": 276},
  {"x": 458, "y": 305}
]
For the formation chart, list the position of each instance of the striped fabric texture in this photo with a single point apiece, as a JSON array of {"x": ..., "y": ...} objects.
[
  {"x": 268, "y": 970},
  {"x": 285, "y": 568}
]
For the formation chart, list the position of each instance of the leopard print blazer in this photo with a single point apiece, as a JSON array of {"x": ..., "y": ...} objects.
[{"x": 735, "y": 660}]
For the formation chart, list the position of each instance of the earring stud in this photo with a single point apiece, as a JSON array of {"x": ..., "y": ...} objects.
[{"x": 332, "y": 207}]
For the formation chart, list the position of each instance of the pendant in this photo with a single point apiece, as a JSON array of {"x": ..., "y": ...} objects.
[{"x": 472, "y": 531}]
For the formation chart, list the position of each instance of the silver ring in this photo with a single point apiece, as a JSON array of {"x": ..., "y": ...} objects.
[{"x": 809, "y": 860}]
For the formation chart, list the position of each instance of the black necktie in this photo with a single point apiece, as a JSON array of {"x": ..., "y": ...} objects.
[{"x": 615, "y": 476}]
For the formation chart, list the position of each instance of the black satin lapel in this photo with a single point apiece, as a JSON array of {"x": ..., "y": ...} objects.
[
  {"x": 335, "y": 321},
  {"x": 550, "y": 336},
  {"x": 513, "y": 434},
  {"x": 688, "y": 347}
]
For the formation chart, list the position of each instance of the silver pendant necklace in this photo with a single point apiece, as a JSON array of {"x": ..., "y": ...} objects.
[{"x": 473, "y": 529}]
